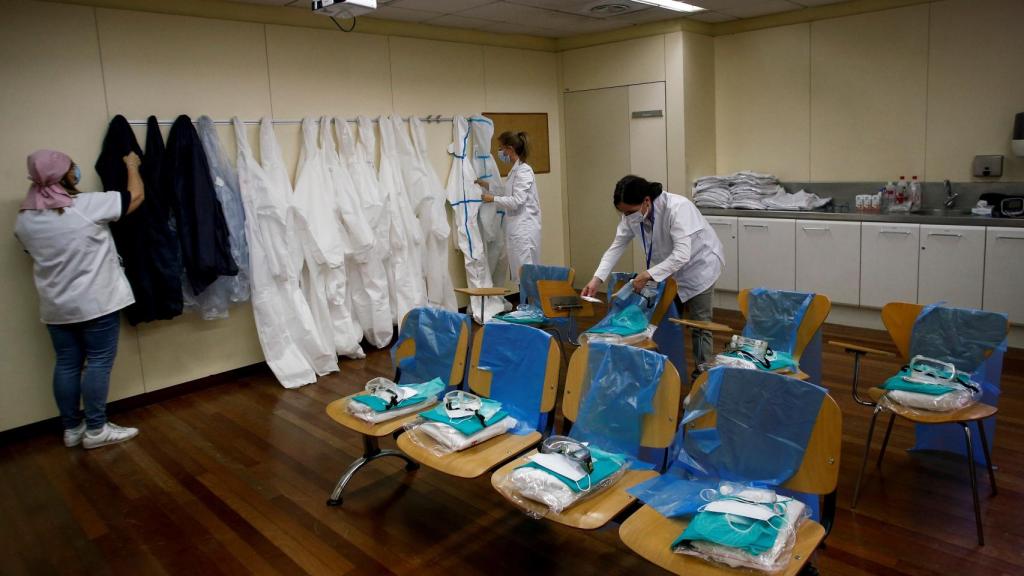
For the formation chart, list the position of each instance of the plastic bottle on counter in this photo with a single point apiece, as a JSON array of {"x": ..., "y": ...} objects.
[
  {"x": 883, "y": 200},
  {"x": 915, "y": 194},
  {"x": 890, "y": 196}
]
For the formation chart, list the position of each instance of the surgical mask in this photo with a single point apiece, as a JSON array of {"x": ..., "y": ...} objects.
[
  {"x": 503, "y": 156},
  {"x": 78, "y": 174},
  {"x": 637, "y": 217}
]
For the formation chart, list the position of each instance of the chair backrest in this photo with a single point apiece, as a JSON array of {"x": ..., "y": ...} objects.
[
  {"x": 899, "y": 318},
  {"x": 480, "y": 380},
  {"x": 659, "y": 427},
  {"x": 533, "y": 272},
  {"x": 819, "y": 470},
  {"x": 407, "y": 349},
  {"x": 817, "y": 313}
]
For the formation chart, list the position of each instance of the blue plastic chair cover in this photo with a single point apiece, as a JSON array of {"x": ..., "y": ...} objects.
[
  {"x": 436, "y": 333},
  {"x": 516, "y": 357},
  {"x": 628, "y": 312},
  {"x": 529, "y": 275},
  {"x": 775, "y": 316},
  {"x": 963, "y": 337},
  {"x": 764, "y": 422},
  {"x": 618, "y": 391}
]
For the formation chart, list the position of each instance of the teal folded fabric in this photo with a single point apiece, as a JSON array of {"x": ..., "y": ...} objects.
[
  {"x": 754, "y": 537},
  {"x": 626, "y": 322},
  {"x": 605, "y": 464},
  {"x": 898, "y": 383},
  {"x": 423, "y": 392},
  {"x": 467, "y": 425}
]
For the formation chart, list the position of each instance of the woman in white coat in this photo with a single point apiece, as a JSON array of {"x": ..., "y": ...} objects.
[
  {"x": 677, "y": 241},
  {"x": 519, "y": 201}
]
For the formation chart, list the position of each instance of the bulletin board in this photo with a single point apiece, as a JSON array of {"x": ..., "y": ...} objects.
[{"x": 536, "y": 127}]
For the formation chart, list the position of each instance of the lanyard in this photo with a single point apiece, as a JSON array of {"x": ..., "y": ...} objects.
[{"x": 643, "y": 238}]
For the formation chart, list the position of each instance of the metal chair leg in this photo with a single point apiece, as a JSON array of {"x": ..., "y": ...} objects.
[
  {"x": 974, "y": 482},
  {"x": 885, "y": 440},
  {"x": 371, "y": 452},
  {"x": 864, "y": 462},
  {"x": 988, "y": 456},
  {"x": 856, "y": 381}
]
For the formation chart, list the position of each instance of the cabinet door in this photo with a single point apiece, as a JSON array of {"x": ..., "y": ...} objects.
[
  {"x": 952, "y": 265},
  {"x": 1004, "y": 272},
  {"x": 828, "y": 259},
  {"x": 888, "y": 263},
  {"x": 767, "y": 253},
  {"x": 725, "y": 228}
]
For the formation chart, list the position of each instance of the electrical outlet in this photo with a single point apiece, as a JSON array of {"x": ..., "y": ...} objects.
[{"x": 988, "y": 166}]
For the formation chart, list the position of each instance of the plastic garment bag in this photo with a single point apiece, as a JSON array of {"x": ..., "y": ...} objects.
[
  {"x": 516, "y": 357},
  {"x": 775, "y": 316},
  {"x": 433, "y": 219},
  {"x": 464, "y": 196},
  {"x": 621, "y": 383},
  {"x": 368, "y": 278},
  {"x": 405, "y": 274},
  {"x": 962, "y": 337},
  {"x": 324, "y": 245},
  {"x": 436, "y": 333},
  {"x": 630, "y": 312},
  {"x": 213, "y": 302},
  {"x": 284, "y": 323},
  {"x": 492, "y": 218}
]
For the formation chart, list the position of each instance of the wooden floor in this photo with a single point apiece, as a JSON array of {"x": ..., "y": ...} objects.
[{"x": 233, "y": 478}]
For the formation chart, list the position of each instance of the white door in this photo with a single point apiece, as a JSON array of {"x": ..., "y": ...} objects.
[
  {"x": 648, "y": 148},
  {"x": 725, "y": 228},
  {"x": 889, "y": 256},
  {"x": 1004, "y": 272},
  {"x": 952, "y": 265},
  {"x": 828, "y": 259},
  {"x": 767, "y": 256}
]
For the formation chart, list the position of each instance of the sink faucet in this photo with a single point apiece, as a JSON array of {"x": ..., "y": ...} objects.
[{"x": 950, "y": 196}]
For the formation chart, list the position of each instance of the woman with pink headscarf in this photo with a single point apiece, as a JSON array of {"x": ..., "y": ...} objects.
[{"x": 81, "y": 286}]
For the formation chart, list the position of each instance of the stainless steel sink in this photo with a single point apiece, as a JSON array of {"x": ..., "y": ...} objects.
[{"x": 948, "y": 212}]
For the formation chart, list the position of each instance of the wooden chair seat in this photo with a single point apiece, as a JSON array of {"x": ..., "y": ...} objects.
[
  {"x": 471, "y": 462},
  {"x": 646, "y": 344},
  {"x": 595, "y": 511},
  {"x": 971, "y": 413},
  {"x": 650, "y": 535},
  {"x": 338, "y": 412}
]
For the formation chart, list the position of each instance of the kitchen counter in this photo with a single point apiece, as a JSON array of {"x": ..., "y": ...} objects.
[{"x": 955, "y": 217}]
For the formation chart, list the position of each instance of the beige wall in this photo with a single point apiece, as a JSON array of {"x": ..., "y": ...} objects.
[
  {"x": 913, "y": 90},
  {"x": 61, "y": 94}
]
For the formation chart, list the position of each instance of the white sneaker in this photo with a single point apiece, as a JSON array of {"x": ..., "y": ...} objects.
[
  {"x": 110, "y": 434},
  {"x": 73, "y": 436}
]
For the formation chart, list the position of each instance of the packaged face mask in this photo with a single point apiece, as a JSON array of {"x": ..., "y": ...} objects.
[{"x": 560, "y": 464}]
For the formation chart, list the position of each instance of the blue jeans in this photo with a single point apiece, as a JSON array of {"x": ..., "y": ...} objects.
[{"x": 85, "y": 355}]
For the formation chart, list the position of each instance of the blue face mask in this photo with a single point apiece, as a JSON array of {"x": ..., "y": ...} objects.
[
  {"x": 78, "y": 174},
  {"x": 503, "y": 156}
]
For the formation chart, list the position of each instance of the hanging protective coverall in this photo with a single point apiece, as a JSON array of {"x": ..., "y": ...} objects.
[
  {"x": 492, "y": 216},
  {"x": 434, "y": 223},
  {"x": 464, "y": 196},
  {"x": 367, "y": 146},
  {"x": 202, "y": 229},
  {"x": 283, "y": 320},
  {"x": 145, "y": 241},
  {"x": 213, "y": 303},
  {"x": 284, "y": 250},
  {"x": 406, "y": 272},
  {"x": 368, "y": 278},
  {"x": 323, "y": 245}
]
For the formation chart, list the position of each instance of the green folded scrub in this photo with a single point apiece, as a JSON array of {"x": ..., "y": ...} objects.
[
  {"x": 467, "y": 425},
  {"x": 423, "y": 392},
  {"x": 753, "y": 536}
]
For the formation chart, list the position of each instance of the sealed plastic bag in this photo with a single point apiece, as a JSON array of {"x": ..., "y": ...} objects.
[
  {"x": 630, "y": 312},
  {"x": 539, "y": 490},
  {"x": 455, "y": 425},
  {"x": 931, "y": 385},
  {"x": 384, "y": 400},
  {"x": 436, "y": 333}
]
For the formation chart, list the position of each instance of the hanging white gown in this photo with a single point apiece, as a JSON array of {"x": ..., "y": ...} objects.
[
  {"x": 409, "y": 287},
  {"x": 323, "y": 246},
  {"x": 492, "y": 217},
  {"x": 434, "y": 222},
  {"x": 368, "y": 281},
  {"x": 464, "y": 196},
  {"x": 283, "y": 321},
  {"x": 415, "y": 191},
  {"x": 367, "y": 146}
]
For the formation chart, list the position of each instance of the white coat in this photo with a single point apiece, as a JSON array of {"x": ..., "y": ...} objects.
[
  {"x": 436, "y": 229},
  {"x": 522, "y": 217},
  {"x": 464, "y": 197},
  {"x": 283, "y": 321},
  {"x": 681, "y": 244},
  {"x": 368, "y": 281}
]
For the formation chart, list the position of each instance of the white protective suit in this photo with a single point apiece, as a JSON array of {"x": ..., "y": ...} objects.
[
  {"x": 464, "y": 196},
  {"x": 368, "y": 278},
  {"x": 367, "y": 147},
  {"x": 493, "y": 219},
  {"x": 323, "y": 246},
  {"x": 409, "y": 288},
  {"x": 434, "y": 222},
  {"x": 521, "y": 205},
  {"x": 284, "y": 323}
]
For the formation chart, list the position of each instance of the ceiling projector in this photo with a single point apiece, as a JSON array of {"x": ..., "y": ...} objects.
[{"x": 343, "y": 8}]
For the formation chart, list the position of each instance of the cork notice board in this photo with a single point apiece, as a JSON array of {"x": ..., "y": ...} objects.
[{"x": 536, "y": 127}]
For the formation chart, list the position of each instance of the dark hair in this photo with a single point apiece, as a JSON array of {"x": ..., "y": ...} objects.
[
  {"x": 633, "y": 189},
  {"x": 518, "y": 142}
]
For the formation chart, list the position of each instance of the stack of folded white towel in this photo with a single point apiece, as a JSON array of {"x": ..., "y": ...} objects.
[{"x": 751, "y": 191}]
